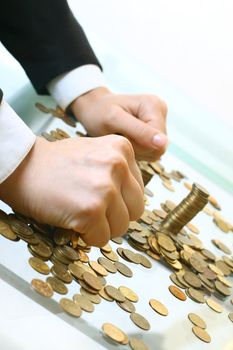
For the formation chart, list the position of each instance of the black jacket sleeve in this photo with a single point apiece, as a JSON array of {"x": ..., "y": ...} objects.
[{"x": 44, "y": 36}]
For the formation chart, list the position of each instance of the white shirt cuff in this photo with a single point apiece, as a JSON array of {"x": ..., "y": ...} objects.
[
  {"x": 16, "y": 140},
  {"x": 67, "y": 87}
]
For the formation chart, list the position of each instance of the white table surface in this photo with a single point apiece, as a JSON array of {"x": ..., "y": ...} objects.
[{"x": 26, "y": 318}]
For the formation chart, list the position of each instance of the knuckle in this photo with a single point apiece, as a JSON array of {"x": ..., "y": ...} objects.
[
  {"x": 94, "y": 209},
  {"x": 138, "y": 210},
  {"x": 117, "y": 161}
]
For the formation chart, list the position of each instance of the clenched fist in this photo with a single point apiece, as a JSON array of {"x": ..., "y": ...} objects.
[
  {"x": 140, "y": 118},
  {"x": 90, "y": 185}
]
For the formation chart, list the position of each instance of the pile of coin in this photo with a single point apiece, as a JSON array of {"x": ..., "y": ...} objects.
[
  {"x": 186, "y": 210},
  {"x": 160, "y": 234}
]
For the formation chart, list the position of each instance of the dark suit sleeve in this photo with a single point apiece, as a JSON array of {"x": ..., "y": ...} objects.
[{"x": 44, "y": 36}]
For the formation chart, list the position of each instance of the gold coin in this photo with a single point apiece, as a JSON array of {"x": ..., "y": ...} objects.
[
  {"x": 76, "y": 271},
  {"x": 214, "y": 305},
  {"x": 220, "y": 245},
  {"x": 107, "y": 264},
  {"x": 7, "y": 232},
  {"x": 87, "y": 288},
  {"x": 187, "y": 185},
  {"x": 94, "y": 298},
  {"x": 222, "y": 289},
  {"x": 230, "y": 315},
  {"x": 85, "y": 267},
  {"x": 39, "y": 265},
  {"x": 166, "y": 243},
  {"x": 128, "y": 293},
  {"x": 197, "y": 263},
  {"x": 41, "y": 287},
  {"x": 137, "y": 344},
  {"x": 57, "y": 285},
  {"x": 111, "y": 256},
  {"x": 98, "y": 268},
  {"x": 134, "y": 225},
  {"x": 140, "y": 321},
  {"x": 158, "y": 307},
  {"x": 145, "y": 262},
  {"x": 131, "y": 256},
  {"x": 196, "y": 295},
  {"x": 92, "y": 281},
  {"x": 192, "y": 279},
  {"x": 113, "y": 332},
  {"x": 117, "y": 240},
  {"x": 61, "y": 272},
  {"x": 70, "y": 307},
  {"x": 114, "y": 293},
  {"x": 104, "y": 295},
  {"x": 42, "y": 249},
  {"x": 83, "y": 302},
  {"x": 123, "y": 269},
  {"x": 215, "y": 269},
  {"x": 197, "y": 320},
  {"x": 201, "y": 334},
  {"x": 168, "y": 186},
  {"x": 107, "y": 248},
  {"x": 174, "y": 279},
  {"x": 193, "y": 228},
  {"x": 177, "y": 293},
  {"x": 127, "y": 306}
]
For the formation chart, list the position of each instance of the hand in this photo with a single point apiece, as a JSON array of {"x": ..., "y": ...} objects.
[
  {"x": 90, "y": 185},
  {"x": 140, "y": 118}
]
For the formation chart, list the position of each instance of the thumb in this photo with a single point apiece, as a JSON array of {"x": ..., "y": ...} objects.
[{"x": 140, "y": 132}]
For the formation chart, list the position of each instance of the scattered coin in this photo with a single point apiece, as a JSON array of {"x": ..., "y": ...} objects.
[
  {"x": 107, "y": 264},
  {"x": 197, "y": 320},
  {"x": 201, "y": 334},
  {"x": 137, "y": 344},
  {"x": 92, "y": 281},
  {"x": 104, "y": 295},
  {"x": 7, "y": 232},
  {"x": 39, "y": 265},
  {"x": 113, "y": 332},
  {"x": 177, "y": 293},
  {"x": 196, "y": 295},
  {"x": 114, "y": 293},
  {"x": 127, "y": 305},
  {"x": 94, "y": 298},
  {"x": 123, "y": 269},
  {"x": 98, "y": 268},
  {"x": 158, "y": 307},
  {"x": 57, "y": 285},
  {"x": 214, "y": 305},
  {"x": 61, "y": 272},
  {"x": 83, "y": 302},
  {"x": 140, "y": 321},
  {"x": 129, "y": 294},
  {"x": 70, "y": 307},
  {"x": 41, "y": 287}
]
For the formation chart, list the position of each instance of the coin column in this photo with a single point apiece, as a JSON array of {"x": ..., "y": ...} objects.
[{"x": 186, "y": 210}]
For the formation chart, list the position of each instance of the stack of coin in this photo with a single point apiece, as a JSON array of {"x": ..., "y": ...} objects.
[{"x": 186, "y": 210}]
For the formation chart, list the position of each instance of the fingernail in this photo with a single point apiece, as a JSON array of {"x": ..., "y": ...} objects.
[{"x": 159, "y": 140}]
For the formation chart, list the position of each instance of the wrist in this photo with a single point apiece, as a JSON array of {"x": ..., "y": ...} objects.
[
  {"x": 87, "y": 98},
  {"x": 13, "y": 186}
]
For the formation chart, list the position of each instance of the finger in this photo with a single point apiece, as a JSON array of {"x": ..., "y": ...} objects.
[
  {"x": 118, "y": 216},
  {"x": 139, "y": 131},
  {"x": 133, "y": 197},
  {"x": 152, "y": 111},
  {"x": 97, "y": 233}
]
